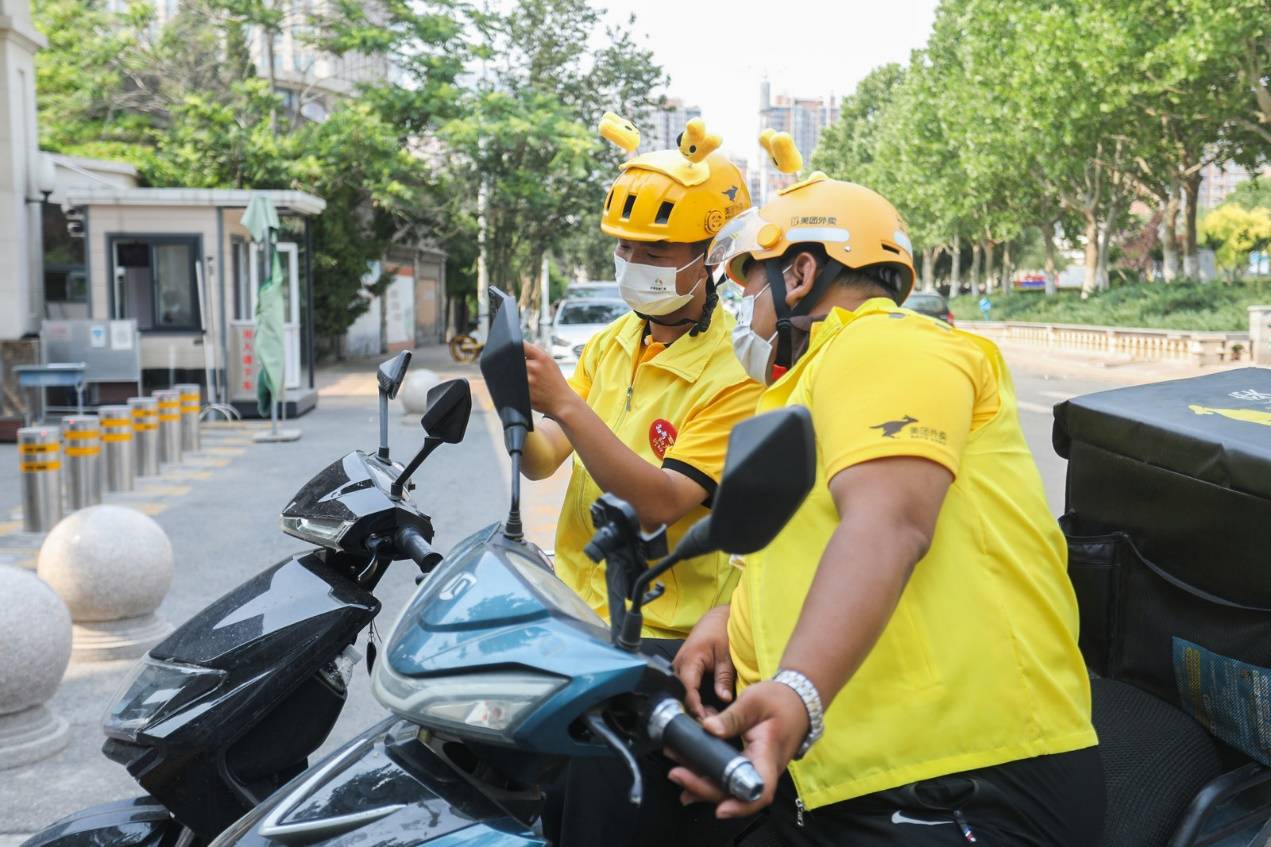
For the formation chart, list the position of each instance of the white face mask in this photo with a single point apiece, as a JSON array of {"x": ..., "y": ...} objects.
[
  {"x": 650, "y": 289},
  {"x": 751, "y": 349}
]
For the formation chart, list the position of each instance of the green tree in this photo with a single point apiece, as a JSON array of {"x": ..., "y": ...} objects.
[
  {"x": 527, "y": 138},
  {"x": 1234, "y": 232}
]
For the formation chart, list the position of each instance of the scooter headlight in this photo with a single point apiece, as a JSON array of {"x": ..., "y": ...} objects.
[
  {"x": 155, "y": 689},
  {"x": 485, "y": 703},
  {"x": 325, "y": 532}
]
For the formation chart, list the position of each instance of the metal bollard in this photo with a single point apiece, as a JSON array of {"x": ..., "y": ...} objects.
[
  {"x": 82, "y": 449},
  {"x": 145, "y": 430},
  {"x": 118, "y": 465},
  {"x": 169, "y": 424},
  {"x": 191, "y": 400},
  {"x": 40, "y": 460}
]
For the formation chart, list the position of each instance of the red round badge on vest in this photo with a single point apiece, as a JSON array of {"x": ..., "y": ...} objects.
[{"x": 661, "y": 437}]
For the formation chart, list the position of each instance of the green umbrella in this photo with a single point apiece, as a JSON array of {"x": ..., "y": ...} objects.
[{"x": 261, "y": 220}]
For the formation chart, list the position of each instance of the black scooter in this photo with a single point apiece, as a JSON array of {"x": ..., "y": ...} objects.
[{"x": 229, "y": 707}]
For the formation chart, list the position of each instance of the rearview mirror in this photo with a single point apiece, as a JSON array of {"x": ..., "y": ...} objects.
[
  {"x": 392, "y": 372},
  {"x": 770, "y": 467},
  {"x": 503, "y": 364},
  {"x": 768, "y": 471},
  {"x": 449, "y": 407}
]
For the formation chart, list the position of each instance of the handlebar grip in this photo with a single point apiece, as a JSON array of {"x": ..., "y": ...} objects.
[
  {"x": 411, "y": 542},
  {"x": 703, "y": 753}
]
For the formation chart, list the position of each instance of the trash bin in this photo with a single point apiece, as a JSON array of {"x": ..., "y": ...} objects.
[
  {"x": 118, "y": 464},
  {"x": 81, "y": 437},
  {"x": 145, "y": 430},
  {"x": 169, "y": 400},
  {"x": 40, "y": 461}
]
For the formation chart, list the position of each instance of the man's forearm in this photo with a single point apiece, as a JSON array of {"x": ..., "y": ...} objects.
[
  {"x": 541, "y": 456},
  {"x": 858, "y": 583},
  {"x": 616, "y": 467}
]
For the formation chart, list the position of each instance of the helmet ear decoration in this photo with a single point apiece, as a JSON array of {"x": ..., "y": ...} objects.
[
  {"x": 619, "y": 131},
  {"x": 781, "y": 148},
  {"x": 695, "y": 143}
]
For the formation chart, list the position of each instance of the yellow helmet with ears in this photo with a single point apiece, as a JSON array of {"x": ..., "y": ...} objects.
[{"x": 684, "y": 195}]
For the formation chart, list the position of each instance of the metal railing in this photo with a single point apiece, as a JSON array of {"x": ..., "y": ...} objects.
[{"x": 1129, "y": 343}]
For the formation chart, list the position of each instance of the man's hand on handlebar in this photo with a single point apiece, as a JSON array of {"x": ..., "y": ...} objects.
[
  {"x": 772, "y": 722},
  {"x": 706, "y": 652}
]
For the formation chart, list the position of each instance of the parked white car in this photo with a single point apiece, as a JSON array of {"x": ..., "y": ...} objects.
[
  {"x": 596, "y": 289},
  {"x": 576, "y": 321}
]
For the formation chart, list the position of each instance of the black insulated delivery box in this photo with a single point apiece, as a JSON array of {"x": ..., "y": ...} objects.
[{"x": 1168, "y": 518}]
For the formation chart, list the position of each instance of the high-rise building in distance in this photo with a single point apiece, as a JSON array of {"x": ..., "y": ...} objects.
[
  {"x": 804, "y": 118},
  {"x": 668, "y": 122}
]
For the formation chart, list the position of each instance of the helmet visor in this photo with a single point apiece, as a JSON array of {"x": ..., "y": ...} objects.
[{"x": 735, "y": 242}]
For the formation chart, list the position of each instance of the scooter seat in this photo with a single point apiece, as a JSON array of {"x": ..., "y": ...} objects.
[{"x": 1155, "y": 760}]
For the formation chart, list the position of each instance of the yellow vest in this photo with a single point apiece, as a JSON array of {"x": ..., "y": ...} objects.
[
  {"x": 674, "y": 406},
  {"x": 979, "y": 664}
]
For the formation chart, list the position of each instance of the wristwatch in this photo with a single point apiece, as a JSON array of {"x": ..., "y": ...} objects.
[{"x": 807, "y": 692}]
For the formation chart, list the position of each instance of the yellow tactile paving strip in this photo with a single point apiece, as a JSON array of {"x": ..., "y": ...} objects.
[{"x": 222, "y": 442}]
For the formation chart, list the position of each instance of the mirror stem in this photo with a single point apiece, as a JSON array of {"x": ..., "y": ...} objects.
[
  {"x": 399, "y": 484},
  {"x": 383, "y": 451},
  {"x": 642, "y": 582},
  {"x": 514, "y": 438}
]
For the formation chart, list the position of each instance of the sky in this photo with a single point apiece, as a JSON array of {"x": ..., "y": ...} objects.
[{"x": 717, "y": 53}]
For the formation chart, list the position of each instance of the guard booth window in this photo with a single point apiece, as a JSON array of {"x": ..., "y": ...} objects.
[{"x": 155, "y": 281}]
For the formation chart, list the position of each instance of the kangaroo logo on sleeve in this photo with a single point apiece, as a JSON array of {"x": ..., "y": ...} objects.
[
  {"x": 892, "y": 428},
  {"x": 661, "y": 436}
]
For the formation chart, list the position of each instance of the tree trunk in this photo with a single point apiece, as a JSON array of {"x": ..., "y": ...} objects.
[
  {"x": 975, "y": 268},
  {"x": 1090, "y": 280},
  {"x": 1105, "y": 235},
  {"x": 1006, "y": 268},
  {"x": 1048, "y": 241},
  {"x": 929, "y": 269},
  {"x": 1169, "y": 237},
  {"x": 955, "y": 275},
  {"x": 1191, "y": 255},
  {"x": 987, "y": 281}
]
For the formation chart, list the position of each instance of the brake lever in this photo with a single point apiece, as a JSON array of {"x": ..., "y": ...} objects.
[{"x": 595, "y": 721}]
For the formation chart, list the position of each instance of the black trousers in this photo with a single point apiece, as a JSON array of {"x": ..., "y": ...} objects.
[{"x": 1048, "y": 801}]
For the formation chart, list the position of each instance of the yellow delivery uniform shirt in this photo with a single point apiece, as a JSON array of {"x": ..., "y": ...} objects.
[
  {"x": 674, "y": 406},
  {"x": 979, "y": 664}
]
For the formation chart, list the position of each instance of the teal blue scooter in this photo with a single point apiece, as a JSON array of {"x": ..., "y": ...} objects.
[{"x": 497, "y": 674}]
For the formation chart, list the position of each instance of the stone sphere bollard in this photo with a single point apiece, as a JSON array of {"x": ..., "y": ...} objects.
[
  {"x": 35, "y": 631},
  {"x": 112, "y": 567},
  {"x": 414, "y": 391}
]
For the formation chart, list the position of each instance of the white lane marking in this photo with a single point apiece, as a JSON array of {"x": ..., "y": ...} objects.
[
  {"x": 1058, "y": 395},
  {"x": 1037, "y": 408}
]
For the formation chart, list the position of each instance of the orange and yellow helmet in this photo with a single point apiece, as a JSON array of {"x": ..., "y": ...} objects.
[{"x": 857, "y": 227}]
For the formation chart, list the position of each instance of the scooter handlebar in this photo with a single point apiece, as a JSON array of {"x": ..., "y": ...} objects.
[
  {"x": 410, "y": 543},
  {"x": 702, "y": 752}
]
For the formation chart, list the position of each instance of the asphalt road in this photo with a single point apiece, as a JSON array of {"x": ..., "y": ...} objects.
[{"x": 224, "y": 529}]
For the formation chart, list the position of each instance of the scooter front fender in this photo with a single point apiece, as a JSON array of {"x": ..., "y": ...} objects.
[{"x": 140, "y": 822}]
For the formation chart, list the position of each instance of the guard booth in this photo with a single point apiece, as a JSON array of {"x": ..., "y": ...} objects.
[{"x": 181, "y": 265}]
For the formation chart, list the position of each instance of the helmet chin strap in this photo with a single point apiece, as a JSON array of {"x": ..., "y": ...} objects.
[{"x": 785, "y": 328}]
